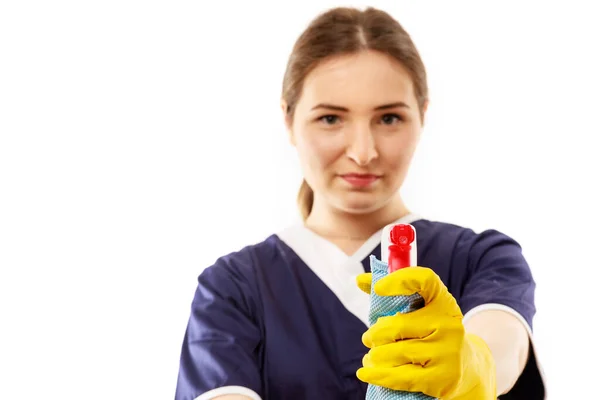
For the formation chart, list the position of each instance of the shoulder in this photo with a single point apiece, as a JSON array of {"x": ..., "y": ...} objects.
[
  {"x": 233, "y": 276},
  {"x": 460, "y": 238},
  {"x": 435, "y": 230},
  {"x": 461, "y": 254},
  {"x": 242, "y": 263}
]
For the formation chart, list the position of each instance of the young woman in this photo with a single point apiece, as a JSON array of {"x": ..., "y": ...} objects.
[{"x": 286, "y": 319}]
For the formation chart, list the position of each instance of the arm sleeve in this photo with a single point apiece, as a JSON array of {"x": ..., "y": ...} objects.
[
  {"x": 220, "y": 349},
  {"x": 497, "y": 273},
  {"x": 499, "y": 278}
]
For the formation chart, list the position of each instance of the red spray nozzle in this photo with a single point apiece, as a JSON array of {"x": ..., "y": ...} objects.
[{"x": 402, "y": 237}]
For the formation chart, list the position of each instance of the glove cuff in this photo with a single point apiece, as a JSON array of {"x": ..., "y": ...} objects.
[{"x": 483, "y": 363}]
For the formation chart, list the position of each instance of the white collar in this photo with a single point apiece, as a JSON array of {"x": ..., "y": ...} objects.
[{"x": 334, "y": 267}]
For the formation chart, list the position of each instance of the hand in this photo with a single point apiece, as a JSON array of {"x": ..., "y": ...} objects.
[{"x": 426, "y": 350}]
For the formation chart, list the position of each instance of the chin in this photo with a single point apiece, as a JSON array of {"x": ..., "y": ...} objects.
[{"x": 359, "y": 204}]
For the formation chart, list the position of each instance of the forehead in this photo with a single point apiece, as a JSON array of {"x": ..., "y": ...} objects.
[{"x": 364, "y": 79}]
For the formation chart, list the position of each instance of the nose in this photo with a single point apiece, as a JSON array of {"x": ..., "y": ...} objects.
[{"x": 361, "y": 146}]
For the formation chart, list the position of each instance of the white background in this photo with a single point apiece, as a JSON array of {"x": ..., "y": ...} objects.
[{"x": 141, "y": 140}]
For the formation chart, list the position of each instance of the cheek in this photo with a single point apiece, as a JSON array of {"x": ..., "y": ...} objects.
[
  {"x": 396, "y": 152},
  {"x": 320, "y": 150}
]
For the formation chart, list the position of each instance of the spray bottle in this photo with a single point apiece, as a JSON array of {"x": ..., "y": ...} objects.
[{"x": 398, "y": 250}]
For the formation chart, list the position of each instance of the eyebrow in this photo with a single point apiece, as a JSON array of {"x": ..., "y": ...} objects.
[{"x": 340, "y": 108}]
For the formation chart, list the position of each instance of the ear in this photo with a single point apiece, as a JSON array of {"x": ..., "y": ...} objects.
[
  {"x": 288, "y": 122},
  {"x": 425, "y": 107}
]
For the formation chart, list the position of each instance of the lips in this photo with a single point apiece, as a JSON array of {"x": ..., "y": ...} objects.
[{"x": 360, "y": 180}]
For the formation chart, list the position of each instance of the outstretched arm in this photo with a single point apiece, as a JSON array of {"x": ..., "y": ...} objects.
[{"x": 508, "y": 341}]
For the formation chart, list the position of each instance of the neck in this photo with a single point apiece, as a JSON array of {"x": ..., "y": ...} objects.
[{"x": 330, "y": 222}]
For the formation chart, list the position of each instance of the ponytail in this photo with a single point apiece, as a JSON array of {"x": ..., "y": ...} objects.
[{"x": 305, "y": 199}]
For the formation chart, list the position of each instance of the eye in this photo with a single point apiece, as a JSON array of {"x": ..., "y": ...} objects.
[
  {"x": 390, "y": 119},
  {"x": 329, "y": 119}
]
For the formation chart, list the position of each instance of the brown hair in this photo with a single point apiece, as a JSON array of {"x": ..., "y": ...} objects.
[{"x": 341, "y": 31}]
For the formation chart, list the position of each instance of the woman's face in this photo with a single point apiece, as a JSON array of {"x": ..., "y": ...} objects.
[{"x": 356, "y": 127}]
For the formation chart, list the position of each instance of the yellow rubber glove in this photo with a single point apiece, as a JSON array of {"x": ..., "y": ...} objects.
[{"x": 427, "y": 350}]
